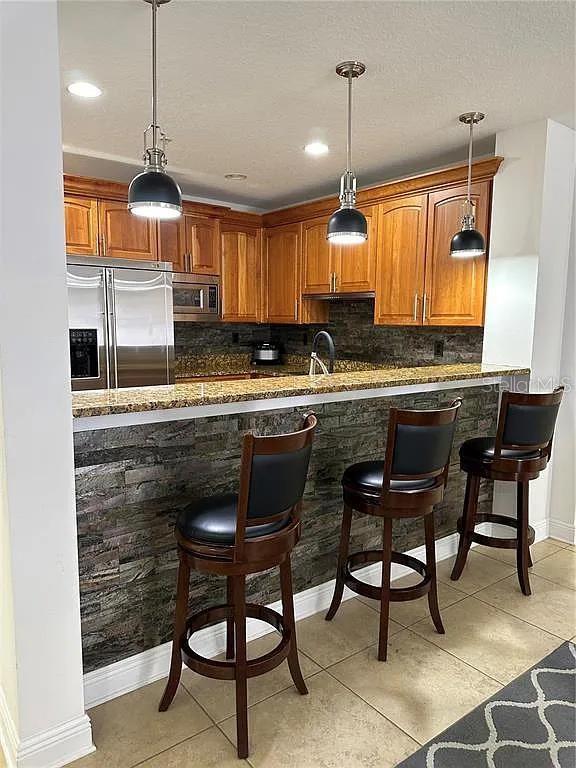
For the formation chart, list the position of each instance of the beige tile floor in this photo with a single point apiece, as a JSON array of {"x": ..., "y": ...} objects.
[{"x": 360, "y": 712}]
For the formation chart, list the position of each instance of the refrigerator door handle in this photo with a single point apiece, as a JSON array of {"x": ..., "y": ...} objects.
[{"x": 112, "y": 335}]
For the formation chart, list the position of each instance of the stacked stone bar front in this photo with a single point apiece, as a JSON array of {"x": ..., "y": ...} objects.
[{"x": 130, "y": 481}]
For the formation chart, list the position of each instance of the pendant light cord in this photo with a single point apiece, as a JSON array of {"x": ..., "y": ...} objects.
[
  {"x": 349, "y": 136},
  {"x": 470, "y": 163},
  {"x": 154, "y": 77}
]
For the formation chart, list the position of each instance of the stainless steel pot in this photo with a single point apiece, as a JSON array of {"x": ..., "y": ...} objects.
[{"x": 266, "y": 354}]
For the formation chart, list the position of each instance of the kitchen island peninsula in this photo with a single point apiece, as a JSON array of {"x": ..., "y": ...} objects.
[{"x": 142, "y": 453}]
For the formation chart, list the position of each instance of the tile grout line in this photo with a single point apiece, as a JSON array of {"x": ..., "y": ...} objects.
[
  {"x": 485, "y": 602},
  {"x": 327, "y": 670},
  {"x": 173, "y": 746}
]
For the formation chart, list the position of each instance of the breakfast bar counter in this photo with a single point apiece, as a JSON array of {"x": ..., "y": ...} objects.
[
  {"x": 141, "y": 454},
  {"x": 189, "y": 393}
]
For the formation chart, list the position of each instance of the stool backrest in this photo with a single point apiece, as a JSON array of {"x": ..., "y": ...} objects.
[
  {"x": 419, "y": 443},
  {"x": 273, "y": 475},
  {"x": 527, "y": 421}
]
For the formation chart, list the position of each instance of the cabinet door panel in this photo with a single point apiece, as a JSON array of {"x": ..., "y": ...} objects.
[
  {"x": 454, "y": 287},
  {"x": 81, "y": 220},
  {"x": 318, "y": 257},
  {"x": 172, "y": 244},
  {"x": 401, "y": 258},
  {"x": 355, "y": 265},
  {"x": 240, "y": 274},
  {"x": 281, "y": 269},
  {"x": 126, "y": 236},
  {"x": 202, "y": 245}
]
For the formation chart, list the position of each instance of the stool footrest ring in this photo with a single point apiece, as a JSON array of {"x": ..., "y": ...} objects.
[
  {"x": 500, "y": 542},
  {"x": 226, "y": 670},
  {"x": 397, "y": 594}
]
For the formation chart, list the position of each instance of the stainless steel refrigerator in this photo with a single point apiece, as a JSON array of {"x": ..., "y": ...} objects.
[{"x": 121, "y": 323}]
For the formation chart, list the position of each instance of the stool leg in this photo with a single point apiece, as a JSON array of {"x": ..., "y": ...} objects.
[
  {"x": 290, "y": 624},
  {"x": 385, "y": 589},
  {"x": 239, "y": 590},
  {"x": 431, "y": 568},
  {"x": 468, "y": 521},
  {"x": 230, "y": 621},
  {"x": 180, "y": 615},
  {"x": 522, "y": 549},
  {"x": 342, "y": 557}
]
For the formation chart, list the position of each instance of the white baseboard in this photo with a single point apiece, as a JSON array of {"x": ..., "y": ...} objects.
[
  {"x": 557, "y": 529},
  {"x": 147, "y": 667},
  {"x": 51, "y": 749},
  {"x": 8, "y": 733}
]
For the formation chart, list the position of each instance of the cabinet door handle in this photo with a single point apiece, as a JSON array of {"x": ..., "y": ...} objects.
[
  {"x": 296, "y": 309},
  {"x": 424, "y": 307},
  {"x": 103, "y": 245},
  {"x": 335, "y": 282},
  {"x": 416, "y": 299}
]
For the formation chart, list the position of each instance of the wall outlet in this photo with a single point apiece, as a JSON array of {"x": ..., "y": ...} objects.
[{"x": 439, "y": 348}]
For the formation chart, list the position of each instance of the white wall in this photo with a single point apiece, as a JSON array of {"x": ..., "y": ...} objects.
[
  {"x": 515, "y": 245},
  {"x": 563, "y": 505},
  {"x": 43, "y": 722},
  {"x": 527, "y": 273}
]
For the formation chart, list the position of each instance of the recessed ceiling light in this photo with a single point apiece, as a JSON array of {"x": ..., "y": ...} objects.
[
  {"x": 316, "y": 148},
  {"x": 236, "y": 176},
  {"x": 86, "y": 90}
]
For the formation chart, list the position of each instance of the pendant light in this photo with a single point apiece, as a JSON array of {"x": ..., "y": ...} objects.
[
  {"x": 468, "y": 243},
  {"x": 153, "y": 194},
  {"x": 347, "y": 225}
]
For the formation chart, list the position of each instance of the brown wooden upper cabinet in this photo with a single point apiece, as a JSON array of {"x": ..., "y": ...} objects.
[
  {"x": 337, "y": 269},
  {"x": 454, "y": 288},
  {"x": 191, "y": 244},
  {"x": 107, "y": 228},
  {"x": 81, "y": 220},
  {"x": 281, "y": 274},
  {"x": 125, "y": 236},
  {"x": 241, "y": 273},
  {"x": 418, "y": 282},
  {"x": 401, "y": 260}
]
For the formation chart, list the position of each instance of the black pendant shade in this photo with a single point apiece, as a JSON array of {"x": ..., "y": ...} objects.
[
  {"x": 347, "y": 226},
  {"x": 154, "y": 194},
  {"x": 467, "y": 243}
]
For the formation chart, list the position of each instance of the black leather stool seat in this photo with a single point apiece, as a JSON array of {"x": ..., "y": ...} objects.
[
  {"x": 368, "y": 476},
  {"x": 482, "y": 449},
  {"x": 213, "y": 520}
]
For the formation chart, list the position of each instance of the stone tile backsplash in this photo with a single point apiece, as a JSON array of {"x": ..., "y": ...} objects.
[{"x": 355, "y": 336}]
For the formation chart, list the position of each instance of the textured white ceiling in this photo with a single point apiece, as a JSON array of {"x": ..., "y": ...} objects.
[{"x": 244, "y": 85}]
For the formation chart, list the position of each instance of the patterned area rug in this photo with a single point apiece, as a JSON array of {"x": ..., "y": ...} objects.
[{"x": 531, "y": 723}]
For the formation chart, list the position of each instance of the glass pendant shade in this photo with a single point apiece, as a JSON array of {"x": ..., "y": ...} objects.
[
  {"x": 347, "y": 226},
  {"x": 467, "y": 244},
  {"x": 154, "y": 194}
]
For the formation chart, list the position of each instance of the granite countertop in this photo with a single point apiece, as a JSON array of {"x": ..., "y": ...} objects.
[
  {"x": 196, "y": 366},
  {"x": 183, "y": 395}
]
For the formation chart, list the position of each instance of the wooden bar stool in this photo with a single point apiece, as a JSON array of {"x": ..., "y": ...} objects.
[
  {"x": 408, "y": 483},
  {"x": 518, "y": 453},
  {"x": 235, "y": 535}
]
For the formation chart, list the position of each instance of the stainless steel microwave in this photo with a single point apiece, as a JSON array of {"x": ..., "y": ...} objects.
[{"x": 196, "y": 298}]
